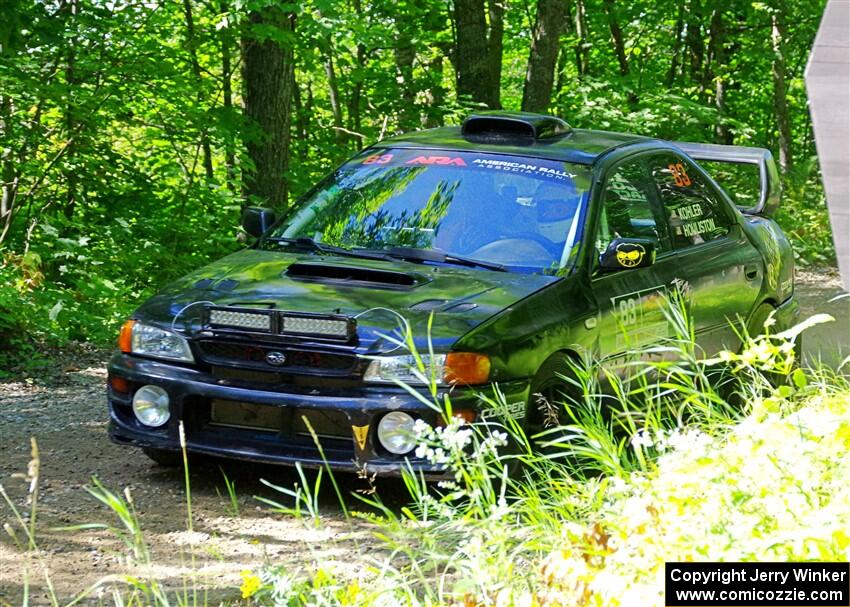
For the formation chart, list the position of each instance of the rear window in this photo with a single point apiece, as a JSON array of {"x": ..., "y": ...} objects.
[
  {"x": 524, "y": 213},
  {"x": 741, "y": 181}
]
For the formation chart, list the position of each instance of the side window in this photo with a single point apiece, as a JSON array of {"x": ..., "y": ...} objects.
[
  {"x": 627, "y": 207},
  {"x": 695, "y": 214}
]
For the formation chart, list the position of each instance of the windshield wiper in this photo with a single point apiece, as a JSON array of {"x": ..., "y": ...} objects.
[
  {"x": 305, "y": 242},
  {"x": 438, "y": 256},
  {"x": 405, "y": 253}
]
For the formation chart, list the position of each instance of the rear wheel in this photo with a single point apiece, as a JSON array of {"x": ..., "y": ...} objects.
[{"x": 756, "y": 327}]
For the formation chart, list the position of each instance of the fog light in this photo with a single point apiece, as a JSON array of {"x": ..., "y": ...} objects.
[
  {"x": 150, "y": 404},
  {"x": 395, "y": 433}
]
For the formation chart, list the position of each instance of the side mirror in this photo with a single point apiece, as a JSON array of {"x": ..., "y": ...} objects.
[
  {"x": 257, "y": 220},
  {"x": 628, "y": 254}
]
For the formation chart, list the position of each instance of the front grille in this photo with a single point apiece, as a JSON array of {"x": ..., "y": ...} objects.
[{"x": 254, "y": 356}]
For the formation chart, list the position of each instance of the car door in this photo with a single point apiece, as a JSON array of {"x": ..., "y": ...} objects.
[
  {"x": 631, "y": 302},
  {"x": 720, "y": 270}
]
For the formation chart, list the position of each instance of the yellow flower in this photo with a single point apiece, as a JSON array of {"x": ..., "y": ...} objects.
[{"x": 251, "y": 584}]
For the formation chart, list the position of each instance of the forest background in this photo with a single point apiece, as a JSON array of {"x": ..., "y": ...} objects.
[{"x": 132, "y": 133}]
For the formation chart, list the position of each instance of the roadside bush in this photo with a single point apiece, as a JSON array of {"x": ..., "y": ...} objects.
[{"x": 80, "y": 279}]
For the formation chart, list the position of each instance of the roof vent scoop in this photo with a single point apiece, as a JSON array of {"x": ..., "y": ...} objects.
[{"x": 514, "y": 125}]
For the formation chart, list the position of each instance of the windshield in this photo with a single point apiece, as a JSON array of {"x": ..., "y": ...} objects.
[{"x": 522, "y": 213}]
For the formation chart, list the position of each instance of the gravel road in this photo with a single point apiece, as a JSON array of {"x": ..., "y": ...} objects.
[{"x": 63, "y": 407}]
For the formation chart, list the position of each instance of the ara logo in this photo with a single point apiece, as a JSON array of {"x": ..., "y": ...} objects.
[
  {"x": 441, "y": 160},
  {"x": 276, "y": 359}
]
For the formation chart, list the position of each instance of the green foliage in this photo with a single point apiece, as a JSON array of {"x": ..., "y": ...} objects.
[
  {"x": 122, "y": 137},
  {"x": 803, "y": 215}
]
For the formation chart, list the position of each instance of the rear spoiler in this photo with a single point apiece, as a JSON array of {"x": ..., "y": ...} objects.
[{"x": 768, "y": 173}]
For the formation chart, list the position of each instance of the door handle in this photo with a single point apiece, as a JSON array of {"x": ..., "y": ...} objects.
[{"x": 751, "y": 272}]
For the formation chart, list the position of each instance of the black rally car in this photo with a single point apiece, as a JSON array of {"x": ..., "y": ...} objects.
[{"x": 503, "y": 246}]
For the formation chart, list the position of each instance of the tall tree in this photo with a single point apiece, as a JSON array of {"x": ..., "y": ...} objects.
[
  {"x": 192, "y": 49},
  {"x": 543, "y": 58},
  {"x": 582, "y": 48},
  {"x": 225, "y": 41},
  {"x": 617, "y": 36},
  {"x": 496, "y": 12},
  {"x": 780, "y": 100},
  {"x": 475, "y": 47},
  {"x": 269, "y": 78},
  {"x": 677, "y": 45}
]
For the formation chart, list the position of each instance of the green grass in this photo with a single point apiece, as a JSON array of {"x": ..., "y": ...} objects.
[{"x": 737, "y": 458}]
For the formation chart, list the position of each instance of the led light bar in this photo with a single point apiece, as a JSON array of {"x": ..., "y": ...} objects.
[
  {"x": 281, "y": 322},
  {"x": 325, "y": 327},
  {"x": 257, "y": 321}
]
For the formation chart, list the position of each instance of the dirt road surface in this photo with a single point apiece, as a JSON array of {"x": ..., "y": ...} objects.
[{"x": 64, "y": 408}]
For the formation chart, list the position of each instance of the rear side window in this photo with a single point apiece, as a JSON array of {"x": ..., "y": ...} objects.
[
  {"x": 628, "y": 208},
  {"x": 695, "y": 213}
]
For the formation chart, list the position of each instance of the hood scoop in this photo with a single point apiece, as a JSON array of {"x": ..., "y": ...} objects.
[{"x": 353, "y": 276}]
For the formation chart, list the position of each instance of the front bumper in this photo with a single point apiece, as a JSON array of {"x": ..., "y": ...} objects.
[{"x": 191, "y": 392}]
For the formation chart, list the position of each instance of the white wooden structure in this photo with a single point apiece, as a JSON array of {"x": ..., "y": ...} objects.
[{"x": 828, "y": 85}]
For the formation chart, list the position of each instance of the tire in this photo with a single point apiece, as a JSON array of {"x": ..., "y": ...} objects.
[
  {"x": 550, "y": 394},
  {"x": 756, "y": 327},
  {"x": 163, "y": 457}
]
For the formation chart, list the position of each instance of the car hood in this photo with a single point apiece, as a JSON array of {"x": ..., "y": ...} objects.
[{"x": 377, "y": 292}]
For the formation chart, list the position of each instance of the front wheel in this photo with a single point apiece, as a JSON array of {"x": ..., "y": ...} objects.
[
  {"x": 551, "y": 393},
  {"x": 164, "y": 457}
]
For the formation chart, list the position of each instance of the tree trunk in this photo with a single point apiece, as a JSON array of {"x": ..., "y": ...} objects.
[
  {"x": 494, "y": 50},
  {"x": 472, "y": 56},
  {"x": 677, "y": 46},
  {"x": 434, "y": 107},
  {"x": 780, "y": 101},
  {"x": 8, "y": 172},
  {"x": 582, "y": 46},
  {"x": 404, "y": 56},
  {"x": 71, "y": 174},
  {"x": 620, "y": 48},
  {"x": 192, "y": 48},
  {"x": 354, "y": 116},
  {"x": 715, "y": 71},
  {"x": 694, "y": 41},
  {"x": 435, "y": 95},
  {"x": 714, "y": 52},
  {"x": 543, "y": 58},
  {"x": 617, "y": 37},
  {"x": 333, "y": 95},
  {"x": 268, "y": 76},
  {"x": 227, "y": 99}
]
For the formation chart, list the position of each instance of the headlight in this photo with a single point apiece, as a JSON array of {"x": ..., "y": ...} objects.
[
  {"x": 150, "y": 404},
  {"x": 391, "y": 369},
  {"x": 147, "y": 340},
  {"x": 453, "y": 368},
  {"x": 395, "y": 432}
]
